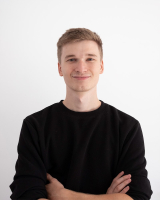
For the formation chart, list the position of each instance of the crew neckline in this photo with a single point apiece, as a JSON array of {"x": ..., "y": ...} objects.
[{"x": 76, "y": 113}]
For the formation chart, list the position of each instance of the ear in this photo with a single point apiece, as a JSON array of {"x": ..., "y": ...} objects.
[
  {"x": 101, "y": 67},
  {"x": 60, "y": 69}
]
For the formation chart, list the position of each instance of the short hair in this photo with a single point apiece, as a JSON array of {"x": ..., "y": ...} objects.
[{"x": 76, "y": 35}]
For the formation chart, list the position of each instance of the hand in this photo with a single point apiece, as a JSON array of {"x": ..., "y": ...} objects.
[
  {"x": 55, "y": 189},
  {"x": 119, "y": 183}
]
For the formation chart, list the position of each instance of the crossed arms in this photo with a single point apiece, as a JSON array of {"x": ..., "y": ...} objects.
[{"x": 116, "y": 191}]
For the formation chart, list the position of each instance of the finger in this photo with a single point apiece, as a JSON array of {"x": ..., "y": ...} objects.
[
  {"x": 125, "y": 190},
  {"x": 114, "y": 182},
  {"x": 119, "y": 175},
  {"x": 115, "y": 185},
  {"x": 119, "y": 179},
  {"x": 122, "y": 185},
  {"x": 123, "y": 178}
]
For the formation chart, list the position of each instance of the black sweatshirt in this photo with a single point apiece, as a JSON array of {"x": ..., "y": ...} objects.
[{"x": 85, "y": 151}]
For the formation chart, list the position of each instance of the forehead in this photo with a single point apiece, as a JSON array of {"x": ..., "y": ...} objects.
[{"x": 82, "y": 47}]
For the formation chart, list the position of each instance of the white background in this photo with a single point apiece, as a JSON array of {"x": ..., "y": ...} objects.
[{"x": 29, "y": 78}]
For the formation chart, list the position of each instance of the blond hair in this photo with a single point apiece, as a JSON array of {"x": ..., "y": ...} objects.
[{"x": 76, "y": 35}]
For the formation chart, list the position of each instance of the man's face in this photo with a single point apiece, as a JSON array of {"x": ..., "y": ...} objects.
[{"x": 76, "y": 61}]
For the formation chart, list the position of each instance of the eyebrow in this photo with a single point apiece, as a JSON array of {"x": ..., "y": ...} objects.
[{"x": 89, "y": 54}]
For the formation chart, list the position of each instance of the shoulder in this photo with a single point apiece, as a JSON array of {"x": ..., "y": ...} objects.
[
  {"x": 122, "y": 119},
  {"x": 39, "y": 117},
  {"x": 119, "y": 114}
]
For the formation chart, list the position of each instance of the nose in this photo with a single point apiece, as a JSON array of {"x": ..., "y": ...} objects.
[{"x": 81, "y": 66}]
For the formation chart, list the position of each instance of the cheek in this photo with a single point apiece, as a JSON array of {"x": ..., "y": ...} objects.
[{"x": 96, "y": 75}]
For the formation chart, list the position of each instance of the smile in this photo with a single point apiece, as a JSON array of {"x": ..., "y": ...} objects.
[{"x": 81, "y": 78}]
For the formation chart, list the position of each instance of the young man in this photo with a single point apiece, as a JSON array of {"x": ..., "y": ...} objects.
[{"x": 81, "y": 148}]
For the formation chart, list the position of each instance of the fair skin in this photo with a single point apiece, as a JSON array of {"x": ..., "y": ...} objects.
[{"x": 81, "y": 96}]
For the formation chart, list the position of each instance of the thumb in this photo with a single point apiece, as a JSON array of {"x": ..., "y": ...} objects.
[{"x": 49, "y": 177}]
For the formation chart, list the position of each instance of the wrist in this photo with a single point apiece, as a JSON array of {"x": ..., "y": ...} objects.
[
  {"x": 70, "y": 194},
  {"x": 64, "y": 194}
]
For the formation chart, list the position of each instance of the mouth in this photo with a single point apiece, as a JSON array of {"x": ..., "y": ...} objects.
[{"x": 81, "y": 78}]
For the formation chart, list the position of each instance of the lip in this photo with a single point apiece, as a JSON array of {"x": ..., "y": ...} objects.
[{"x": 81, "y": 78}]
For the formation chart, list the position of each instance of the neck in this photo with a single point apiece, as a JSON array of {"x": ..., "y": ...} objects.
[{"x": 82, "y": 102}]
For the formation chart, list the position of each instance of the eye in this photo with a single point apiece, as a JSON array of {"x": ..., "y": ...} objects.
[
  {"x": 71, "y": 59},
  {"x": 91, "y": 58}
]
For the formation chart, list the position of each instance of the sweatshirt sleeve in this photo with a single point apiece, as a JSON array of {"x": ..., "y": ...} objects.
[
  {"x": 132, "y": 161},
  {"x": 30, "y": 177}
]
